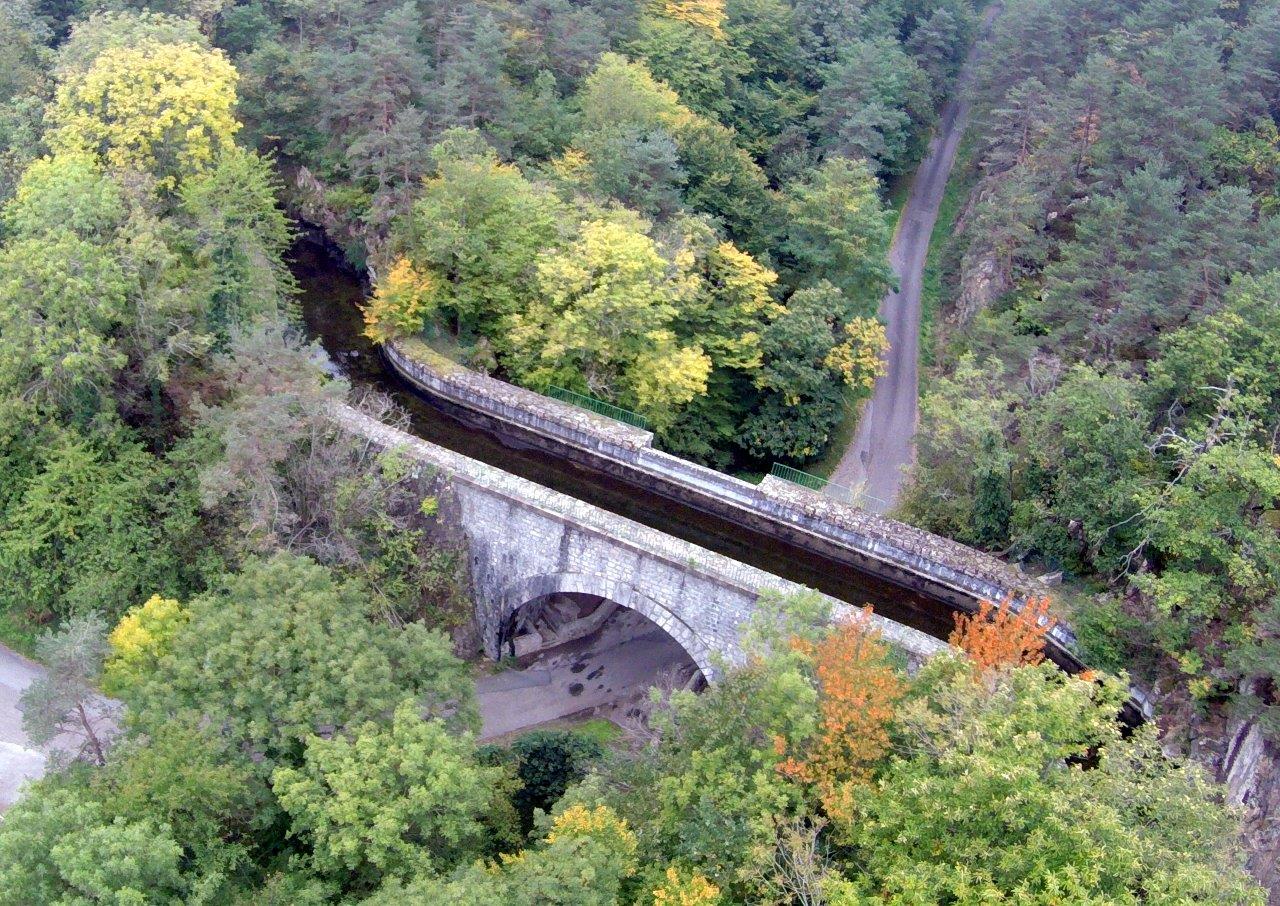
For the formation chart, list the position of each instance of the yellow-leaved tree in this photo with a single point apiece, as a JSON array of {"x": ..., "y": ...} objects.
[
  {"x": 162, "y": 108},
  {"x": 708, "y": 14},
  {"x": 604, "y": 321},
  {"x": 860, "y": 357},
  {"x": 139, "y": 640},
  {"x": 667, "y": 377},
  {"x": 680, "y": 888},
  {"x": 401, "y": 302}
]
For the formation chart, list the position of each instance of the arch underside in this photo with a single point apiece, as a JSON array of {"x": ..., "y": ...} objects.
[{"x": 621, "y": 593}]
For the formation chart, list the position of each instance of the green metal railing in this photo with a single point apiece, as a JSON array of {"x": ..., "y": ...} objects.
[
  {"x": 599, "y": 407},
  {"x": 818, "y": 483},
  {"x": 795, "y": 476}
]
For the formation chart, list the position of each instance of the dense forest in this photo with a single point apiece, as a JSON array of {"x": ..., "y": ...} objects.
[
  {"x": 701, "y": 179},
  {"x": 680, "y": 207},
  {"x": 1108, "y": 398}
]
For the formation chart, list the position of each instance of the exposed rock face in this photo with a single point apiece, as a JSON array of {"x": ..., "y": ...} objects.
[
  {"x": 1238, "y": 755},
  {"x": 1251, "y": 772},
  {"x": 982, "y": 282}
]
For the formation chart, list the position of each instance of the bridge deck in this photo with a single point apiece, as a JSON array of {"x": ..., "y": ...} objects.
[{"x": 619, "y": 530}]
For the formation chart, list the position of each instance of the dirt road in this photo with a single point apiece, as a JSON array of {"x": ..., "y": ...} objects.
[{"x": 884, "y": 444}]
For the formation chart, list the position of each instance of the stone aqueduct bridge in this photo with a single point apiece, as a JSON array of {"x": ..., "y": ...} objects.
[{"x": 526, "y": 541}]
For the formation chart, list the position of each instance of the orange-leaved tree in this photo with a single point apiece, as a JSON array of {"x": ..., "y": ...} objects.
[
  {"x": 858, "y": 691},
  {"x": 1004, "y": 636}
]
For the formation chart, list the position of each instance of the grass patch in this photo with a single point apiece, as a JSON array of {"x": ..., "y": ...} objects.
[
  {"x": 597, "y": 729},
  {"x": 960, "y": 183},
  {"x": 600, "y": 730}
]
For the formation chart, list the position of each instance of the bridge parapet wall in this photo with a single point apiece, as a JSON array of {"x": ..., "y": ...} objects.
[
  {"x": 903, "y": 550},
  {"x": 524, "y": 538}
]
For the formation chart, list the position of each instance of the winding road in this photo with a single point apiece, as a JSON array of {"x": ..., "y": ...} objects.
[
  {"x": 874, "y": 463},
  {"x": 883, "y": 447}
]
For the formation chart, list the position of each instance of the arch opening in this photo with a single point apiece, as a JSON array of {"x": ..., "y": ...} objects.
[{"x": 578, "y": 654}]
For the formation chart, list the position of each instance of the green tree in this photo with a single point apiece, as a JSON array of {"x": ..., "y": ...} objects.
[
  {"x": 938, "y": 43},
  {"x": 1086, "y": 457},
  {"x": 478, "y": 229},
  {"x": 388, "y": 801},
  {"x": 372, "y": 112},
  {"x": 725, "y": 182},
  {"x": 548, "y": 762},
  {"x": 282, "y": 651},
  {"x": 639, "y": 169},
  {"x": 121, "y": 29},
  {"x": 620, "y": 93},
  {"x": 473, "y": 88},
  {"x": 1219, "y": 557},
  {"x": 992, "y": 498},
  {"x": 583, "y": 860},
  {"x": 987, "y": 799},
  {"x": 810, "y": 351},
  {"x": 102, "y": 525},
  {"x": 713, "y": 784},
  {"x": 693, "y": 59},
  {"x": 873, "y": 97},
  {"x": 1237, "y": 346},
  {"x": 237, "y": 237},
  {"x": 184, "y": 777},
  {"x": 1134, "y": 270},
  {"x": 838, "y": 230},
  {"x": 59, "y": 846},
  {"x": 541, "y": 121},
  {"x": 964, "y": 420},
  {"x": 61, "y": 299}
]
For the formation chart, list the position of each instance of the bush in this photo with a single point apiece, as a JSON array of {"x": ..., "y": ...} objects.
[{"x": 548, "y": 762}]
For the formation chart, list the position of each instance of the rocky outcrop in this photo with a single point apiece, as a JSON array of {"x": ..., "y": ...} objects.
[
  {"x": 1251, "y": 772},
  {"x": 982, "y": 282}
]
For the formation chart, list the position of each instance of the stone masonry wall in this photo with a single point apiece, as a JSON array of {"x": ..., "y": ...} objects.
[
  {"x": 902, "y": 549},
  {"x": 525, "y": 541}
]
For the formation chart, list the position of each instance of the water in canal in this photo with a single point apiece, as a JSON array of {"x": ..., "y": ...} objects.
[{"x": 330, "y": 295}]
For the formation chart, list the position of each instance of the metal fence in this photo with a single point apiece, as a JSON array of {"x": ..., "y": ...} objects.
[
  {"x": 795, "y": 476},
  {"x": 822, "y": 485},
  {"x": 599, "y": 407}
]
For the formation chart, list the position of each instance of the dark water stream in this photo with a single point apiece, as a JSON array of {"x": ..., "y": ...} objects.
[{"x": 330, "y": 296}]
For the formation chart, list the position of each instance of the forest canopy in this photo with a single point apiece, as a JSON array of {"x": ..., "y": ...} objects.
[
  {"x": 1102, "y": 406},
  {"x": 681, "y": 206}
]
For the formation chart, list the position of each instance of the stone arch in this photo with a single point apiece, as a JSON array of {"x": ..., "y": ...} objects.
[{"x": 522, "y": 592}]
